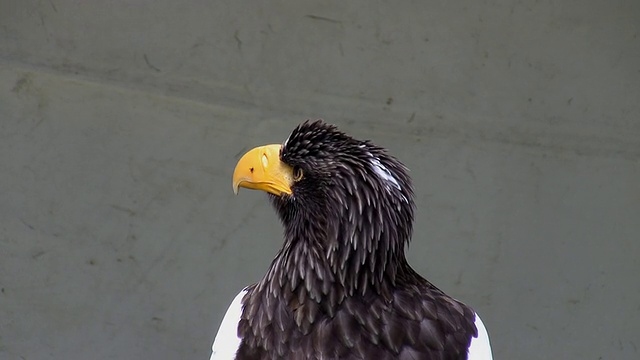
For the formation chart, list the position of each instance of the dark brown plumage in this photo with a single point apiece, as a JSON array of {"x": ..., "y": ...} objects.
[{"x": 341, "y": 287}]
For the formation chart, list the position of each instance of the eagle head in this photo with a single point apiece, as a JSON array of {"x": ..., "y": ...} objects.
[{"x": 346, "y": 199}]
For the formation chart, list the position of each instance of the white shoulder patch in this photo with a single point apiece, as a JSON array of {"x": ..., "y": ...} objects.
[
  {"x": 480, "y": 348},
  {"x": 227, "y": 342}
]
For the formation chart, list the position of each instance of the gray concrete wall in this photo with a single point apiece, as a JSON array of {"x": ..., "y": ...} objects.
[{"x": 121, "y": 121}]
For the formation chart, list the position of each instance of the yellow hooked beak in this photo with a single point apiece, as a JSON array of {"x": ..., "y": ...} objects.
[{"x": 261, "y": 169}]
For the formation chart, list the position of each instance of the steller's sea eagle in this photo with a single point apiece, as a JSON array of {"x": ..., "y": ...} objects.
[{"x": 341, "y": 287}]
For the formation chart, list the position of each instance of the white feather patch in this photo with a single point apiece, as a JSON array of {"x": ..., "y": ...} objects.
[
  {"x": 384, "y": 173},
  {"x": 227, "y": 342},
  {"x": 480, "y": 348}
]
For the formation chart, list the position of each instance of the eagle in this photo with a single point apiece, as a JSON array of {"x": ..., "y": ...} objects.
[{"x": 341, "y": 287}]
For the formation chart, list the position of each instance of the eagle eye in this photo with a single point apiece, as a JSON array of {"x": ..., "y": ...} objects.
[{"x": 297, "y": 173}]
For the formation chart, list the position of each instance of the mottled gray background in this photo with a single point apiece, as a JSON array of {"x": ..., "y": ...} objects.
[{"x": 121, "y": 122}]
